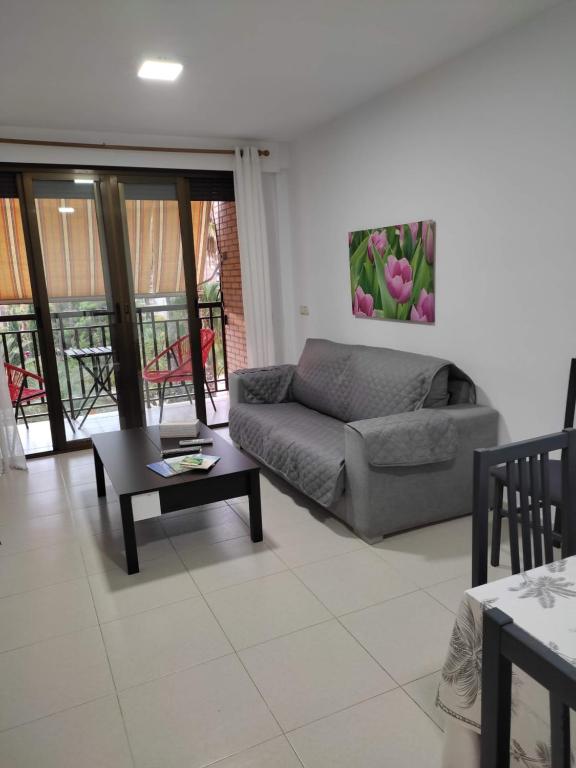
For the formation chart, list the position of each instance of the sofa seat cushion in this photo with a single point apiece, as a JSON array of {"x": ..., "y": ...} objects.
[{"x": 303, "y": 446}]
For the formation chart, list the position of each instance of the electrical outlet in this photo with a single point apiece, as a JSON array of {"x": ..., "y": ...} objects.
[{"x": 304, "y": 310}]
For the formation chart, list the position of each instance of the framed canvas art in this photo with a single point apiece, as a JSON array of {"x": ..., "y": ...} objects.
[{"x": 392, "y": 272}]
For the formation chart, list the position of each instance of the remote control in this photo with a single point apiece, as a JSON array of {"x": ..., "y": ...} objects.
[
  {"x": 196, "y": 441},
  {"x": 178, "y": 451}
]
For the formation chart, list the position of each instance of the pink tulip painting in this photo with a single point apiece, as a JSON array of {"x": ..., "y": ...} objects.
[
  {"x": 398, "y": 274},
  {"x": 392, "y": 272},
  {"x": 363, "y": 304},
  {"x": 423, "y": 310}
]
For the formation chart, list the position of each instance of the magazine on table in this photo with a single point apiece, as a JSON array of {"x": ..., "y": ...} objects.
[{"x": 176, "y": 465}]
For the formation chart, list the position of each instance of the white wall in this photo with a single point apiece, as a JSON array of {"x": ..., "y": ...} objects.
[{"x": 486, "y": 146}]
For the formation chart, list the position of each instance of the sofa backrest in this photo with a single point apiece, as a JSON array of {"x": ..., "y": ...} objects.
[{"x": 353, "y": 382}]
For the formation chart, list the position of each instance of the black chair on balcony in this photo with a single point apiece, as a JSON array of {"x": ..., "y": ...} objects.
[
  {"x": 527, "y": 467},
  {"x": 500, "y": 478}
]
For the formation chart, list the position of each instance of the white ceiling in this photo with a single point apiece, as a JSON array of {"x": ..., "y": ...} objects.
[{"x": 252, "y": 68}]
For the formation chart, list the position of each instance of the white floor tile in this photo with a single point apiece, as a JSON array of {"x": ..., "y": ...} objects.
[
  {"x": 424, "y": 691},
  {"x": 89, "y": 736},
  {"x": 229, "y": 562},
  {"x": 160, "y": 582},
  {"x": 15, "y": 507},
  {"x": 432, "y": 554},
  {"x": 33, "y": 532},
  {"x": 40, "y": 567},
  {"x": 408, "y": 635},
  {"x": 53, "y": 675},
  {"x": 314, "y": 672},
  {"x": 276, "y": 753},
  {"x": 196, "y": 717},
  {"x": 85, "y": 495},
  {"x": 204, "y": 526},
  {"x": 162, "y": 641},
  {"x": 106, "y": 553},
  {"x": 353, "y": 581},
  {"x": 101, "y": 520},
  {"x": 32, "y": 482},
  {"x": 389, "y": 731},
  {"x": 265, "y": 608},
  {"x": 451, "y": 592},
  {"x": 42, "y": 613},
  {"x": 313, "y": 540}
]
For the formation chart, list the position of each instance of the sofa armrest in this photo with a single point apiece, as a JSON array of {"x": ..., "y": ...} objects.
[
  {"x": 382, "y": 500},
  {"x": 262, "y": 385},
  {"x": 425, "y": 436}
]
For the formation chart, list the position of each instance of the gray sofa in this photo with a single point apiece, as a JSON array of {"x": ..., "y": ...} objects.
[{"x": 381, "y": 438}]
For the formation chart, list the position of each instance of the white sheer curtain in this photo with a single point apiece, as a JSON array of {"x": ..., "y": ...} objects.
[
  {"x": 11, "y": 451},
  {"x": 254, "y": 258}
]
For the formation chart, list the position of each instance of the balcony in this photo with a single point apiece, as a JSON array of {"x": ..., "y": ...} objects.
[{"x": 159, "y": 324}]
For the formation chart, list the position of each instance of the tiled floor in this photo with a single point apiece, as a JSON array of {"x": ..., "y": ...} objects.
[{"x": 310, "y": 649}]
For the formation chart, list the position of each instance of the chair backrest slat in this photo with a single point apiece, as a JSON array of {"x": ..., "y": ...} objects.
[
  {"x": 536, "y": 518},
  {"x": 546, "y": 508},
  {"x": 512, "y": 482},
  {"x": 525, "y": 522}
]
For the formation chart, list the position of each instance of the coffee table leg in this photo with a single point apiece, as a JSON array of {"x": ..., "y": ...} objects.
[
  {"x": 255, "y": 506},
  {"x": 99, "y": 469},
  {"x": 129, "y": 534}
]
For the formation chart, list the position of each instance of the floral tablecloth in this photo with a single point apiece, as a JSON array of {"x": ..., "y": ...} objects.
[{"x": 543, "y": 602}]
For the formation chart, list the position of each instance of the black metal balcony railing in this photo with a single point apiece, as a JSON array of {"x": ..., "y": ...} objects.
[{"x": 158, "y": 327}]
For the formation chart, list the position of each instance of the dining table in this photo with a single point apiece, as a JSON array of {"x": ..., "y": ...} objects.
[{"x": 542, "y": 601}]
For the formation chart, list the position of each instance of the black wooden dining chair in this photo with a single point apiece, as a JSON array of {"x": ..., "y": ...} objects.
[
  {"x": 503, "y": 645},
  {"x": 500, "y": 479},
  {"x": 530, "y": 517}
]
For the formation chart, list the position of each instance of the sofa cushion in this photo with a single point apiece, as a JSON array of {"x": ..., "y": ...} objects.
[
  {"x": 305, "y": 447},
  {"x": 353, "y": 382}
]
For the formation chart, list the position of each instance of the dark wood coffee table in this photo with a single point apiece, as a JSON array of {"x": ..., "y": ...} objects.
[{"x": 126, "y": 453}]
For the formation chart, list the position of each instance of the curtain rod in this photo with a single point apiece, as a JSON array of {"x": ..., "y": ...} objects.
[{"x": 126, "y": 147}]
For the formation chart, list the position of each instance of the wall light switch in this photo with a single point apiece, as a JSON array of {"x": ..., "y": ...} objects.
[{"x": 304, "y": 310}]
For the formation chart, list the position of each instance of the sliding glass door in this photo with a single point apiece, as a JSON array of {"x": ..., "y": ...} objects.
[
  {"x": 79, "y": 305},
  {"x": 112, "y": 298},
  {"x": 173, "y": 348}
]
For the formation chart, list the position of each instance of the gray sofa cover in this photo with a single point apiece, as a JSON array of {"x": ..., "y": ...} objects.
[{"x": 381, "y": 438}]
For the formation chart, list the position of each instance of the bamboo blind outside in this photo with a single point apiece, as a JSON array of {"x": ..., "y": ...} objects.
[{"x": 71, "y": 247}]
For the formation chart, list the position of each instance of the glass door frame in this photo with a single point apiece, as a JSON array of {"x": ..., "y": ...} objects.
[{"x": 115, "y": 287}]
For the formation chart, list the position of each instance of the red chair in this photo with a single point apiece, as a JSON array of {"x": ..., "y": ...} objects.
[
  {"x": 178, "y": 354},
  {"x": 19, "y": 392}
]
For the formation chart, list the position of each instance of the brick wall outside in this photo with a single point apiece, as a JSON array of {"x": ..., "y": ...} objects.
[{"x": 231, "y": 282}]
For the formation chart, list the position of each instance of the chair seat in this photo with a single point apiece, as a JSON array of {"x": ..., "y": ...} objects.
[
  {"x": 170, "y": 376},
  {"x": 29, "y": 394},
  {"x": 555, "y": 475}
]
